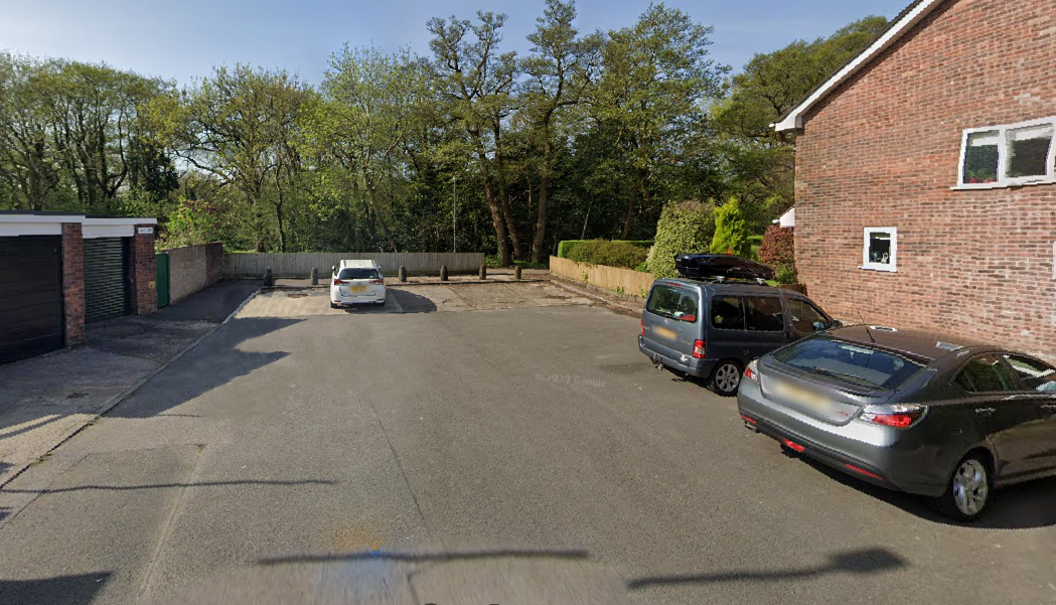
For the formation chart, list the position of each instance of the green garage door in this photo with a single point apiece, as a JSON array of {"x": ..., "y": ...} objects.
[
  {"x": 30, "y": 296},
  {"x": 105, "y": 278}
]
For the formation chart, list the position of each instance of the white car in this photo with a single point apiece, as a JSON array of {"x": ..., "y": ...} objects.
[{"x": 357, "y": 281}]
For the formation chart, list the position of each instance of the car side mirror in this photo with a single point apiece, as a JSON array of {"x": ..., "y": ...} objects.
[
  {"x": 333, "y": 269},
  {"x": 836, "y": 324}
]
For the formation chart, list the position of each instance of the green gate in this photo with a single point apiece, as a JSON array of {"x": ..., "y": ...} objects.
[{"x": 162, "y": 279}]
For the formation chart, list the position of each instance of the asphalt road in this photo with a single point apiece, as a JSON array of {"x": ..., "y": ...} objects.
[{"x": 520, "y": 455}]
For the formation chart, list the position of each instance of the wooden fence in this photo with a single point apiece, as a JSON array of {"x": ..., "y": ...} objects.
[
  {"x": 299, "y": 265},
  {"x": 626, "y": 281}
]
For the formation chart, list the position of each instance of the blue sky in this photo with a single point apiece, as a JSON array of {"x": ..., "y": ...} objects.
[{"x": 186, "y": 39}]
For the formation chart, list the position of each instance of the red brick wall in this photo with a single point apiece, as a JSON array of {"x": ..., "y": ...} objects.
[
  {"x": 883, "y": 151},
  {"x": 73, "y": 283},
  {"x": 143, "y": 265}
]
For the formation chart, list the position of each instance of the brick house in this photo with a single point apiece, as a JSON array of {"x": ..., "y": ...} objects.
[{"x": 926, "y": 176}]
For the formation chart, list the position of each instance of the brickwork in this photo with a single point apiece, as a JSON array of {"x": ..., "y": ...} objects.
[
  {"x": 143, "y": 267},
  {"x": 73, "y": 283},
  {"x": 883, "y": 151}
]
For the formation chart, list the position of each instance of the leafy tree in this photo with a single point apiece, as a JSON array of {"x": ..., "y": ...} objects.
[
  {"x": 684, "y": 228},
  {"x": 731, "y": 229}
]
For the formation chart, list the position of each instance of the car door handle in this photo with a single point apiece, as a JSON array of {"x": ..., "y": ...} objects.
[{"x": 985, "y": 410}]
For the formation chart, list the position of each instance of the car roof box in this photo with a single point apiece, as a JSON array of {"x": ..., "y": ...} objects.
[{"x": 721, "y": 266}]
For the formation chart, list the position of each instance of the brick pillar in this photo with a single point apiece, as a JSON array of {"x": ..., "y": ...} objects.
[
  {"x": 73, "y": 283},
  {"x": 143, "y": 265}
]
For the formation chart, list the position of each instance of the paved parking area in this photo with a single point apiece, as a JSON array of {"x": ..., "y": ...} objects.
[
  {"x": 416, "y": 299},
  {"x": 501, "y": 455}
]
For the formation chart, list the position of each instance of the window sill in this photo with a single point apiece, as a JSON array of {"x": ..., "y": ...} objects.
[
  {"x": 1004, "y": 185},
  {"x": 878, "y": 269}
]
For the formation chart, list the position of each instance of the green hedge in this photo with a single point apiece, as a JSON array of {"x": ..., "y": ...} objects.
[
  {"x": 611, "y": 254},
  {"x": 564, "y": 247}
]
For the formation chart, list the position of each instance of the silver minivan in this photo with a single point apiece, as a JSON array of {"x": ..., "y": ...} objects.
[{"x": 712, "y": 329}]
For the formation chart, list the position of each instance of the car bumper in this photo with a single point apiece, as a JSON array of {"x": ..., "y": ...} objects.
[
  {"x": 374, "y": 298},
  {"x": 884, "y": 456},
  {"x": 700, "y": 368}
]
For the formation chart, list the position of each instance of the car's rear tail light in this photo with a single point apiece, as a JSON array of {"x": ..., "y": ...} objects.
[
  {"x": 642, "y": 333},
  {"x": 699, "y": 350},
  {"x": 338, "y": 282},
  {"x": 377, "y": 282},
  {"x": 750, "y": 371},
  {"x": 899, "y": 415}
]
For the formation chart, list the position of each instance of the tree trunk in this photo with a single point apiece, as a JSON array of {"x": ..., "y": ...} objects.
[
  {"x": 507, "y": 212},
  {"x": 496, "y": 213},
  {"x": 644, "y": 191},
  {"x": 372, "y": 196},
  {"x": 540, "y": 221}
]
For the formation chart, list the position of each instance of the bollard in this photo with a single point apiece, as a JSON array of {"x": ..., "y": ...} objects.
[
  {"x": 315, "y": 276},
  {"x": 269, "y": 279},
  {"x": 403, "y": 273},
  {"x": 483, "y": 272},
  {"x": 443, "y": 272},
  {"x": 517, "y": 272}
]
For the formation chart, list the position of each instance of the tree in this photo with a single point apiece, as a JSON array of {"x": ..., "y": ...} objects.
[
  {"x": 476, "y": 82},
  {"x": 656, "y": 76},
  {"x": 731, "y": 229},
  {"x": 559, "y": 76},
  {"x": 684, "y": 228},
  {"x": 239, "y": 126}
]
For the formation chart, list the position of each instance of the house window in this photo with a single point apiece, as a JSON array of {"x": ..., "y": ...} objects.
[
  {"x": 1002, "y": 156},
  {"x": 880, "y": 249}
]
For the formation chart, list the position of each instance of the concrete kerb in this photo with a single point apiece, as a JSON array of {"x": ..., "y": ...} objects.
[
  {"x": 619, "y": 306},
  {"x": 116, "y": 399}
]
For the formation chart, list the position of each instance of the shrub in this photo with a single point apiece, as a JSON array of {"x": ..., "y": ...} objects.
[
  {"x": 731, "y": 229},
  {"x": 684, "y": 228},
  {"x": 611, "y": 254},
  {"x": 778, "y": 247},
  {"x": 565, "y": 246},
  {"x": 192, "y": 223}
]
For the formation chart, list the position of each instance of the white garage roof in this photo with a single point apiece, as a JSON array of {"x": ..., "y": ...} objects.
[{"x": 14, "y": 224}]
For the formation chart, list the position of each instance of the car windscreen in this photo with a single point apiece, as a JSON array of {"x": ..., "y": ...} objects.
[
  {"x": 850, "y": 362},
  {"x": 358, "y": 274},
  {"x": 677, "y": 303}
]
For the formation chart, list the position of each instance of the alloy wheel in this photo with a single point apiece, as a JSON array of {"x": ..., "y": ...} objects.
[
  {"x": 970, "y": 487},
  {"x": 727, "y": 377}
]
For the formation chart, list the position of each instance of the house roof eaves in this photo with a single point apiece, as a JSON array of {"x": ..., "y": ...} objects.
[{"x": 905, "y": 21}]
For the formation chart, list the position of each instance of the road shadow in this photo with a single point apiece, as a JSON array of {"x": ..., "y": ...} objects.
[
  {"x": 856, "y": 562},
  {"x": 1025, "y": 506},
  {"x": 68, "y": 590},
  {"x": 411, "y": 302},
  {"x": 214, "y": 303},
  {"x": 215, "y": 362}
]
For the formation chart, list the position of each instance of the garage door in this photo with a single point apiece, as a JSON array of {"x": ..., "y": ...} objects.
[
  {"x": 30, "y": 296},
  {"x": 105, "y": 284}
]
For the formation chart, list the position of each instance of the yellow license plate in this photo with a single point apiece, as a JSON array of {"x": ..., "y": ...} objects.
[
  {"x": 358, "y": 288},
  {"x": 667, "y": 333},
  {"x": 803, "y": 396}
]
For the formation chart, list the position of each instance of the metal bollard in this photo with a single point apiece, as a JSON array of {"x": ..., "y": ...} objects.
[
  {"x": 443, "y": 273},
  {"x": 315, "y": 276},
  {"x": 517, "y": 272},
  {"x": 403, "y": 274},
  {"x": 269, "y": 279},
  {"x": 483, "y": 272}
]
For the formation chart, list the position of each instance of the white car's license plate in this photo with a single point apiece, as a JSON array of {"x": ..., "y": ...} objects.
[{"x": 358, "y": 289}]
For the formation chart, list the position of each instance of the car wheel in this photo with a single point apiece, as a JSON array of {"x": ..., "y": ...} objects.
[
  {"x": 333, "y": 305},
  {"x": 968, "y": 491},
  {"x": 725, "y": 378}
]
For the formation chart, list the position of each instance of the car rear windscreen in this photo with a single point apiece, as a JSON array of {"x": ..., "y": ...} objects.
[
  {"x": 358, "y": 274},
  {"x": 852, "y": 363},
  {"x": 676, "y": 303}
]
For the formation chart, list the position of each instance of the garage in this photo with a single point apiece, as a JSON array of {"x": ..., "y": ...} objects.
[
  {"x": 60, "y": 270},
  {"x": 106, "y": 278},
  {"x": 31, "y": 305}
]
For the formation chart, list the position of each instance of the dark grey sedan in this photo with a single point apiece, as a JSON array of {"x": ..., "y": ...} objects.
[{"x": 909, "y": 411}]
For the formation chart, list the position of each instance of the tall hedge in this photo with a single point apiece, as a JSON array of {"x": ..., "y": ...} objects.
[
  {"x": 684, "y": 228},
  {"x": 564, "y": 247},
  {"x": 731, "y": 229}
]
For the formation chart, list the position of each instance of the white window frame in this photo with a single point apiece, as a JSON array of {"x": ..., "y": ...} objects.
[
  {"x": 891, "y": 267},
  {"x": 1002, "y": 157}
]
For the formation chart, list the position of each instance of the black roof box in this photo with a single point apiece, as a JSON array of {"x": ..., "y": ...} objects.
[{"x": 725, "y": 266}]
